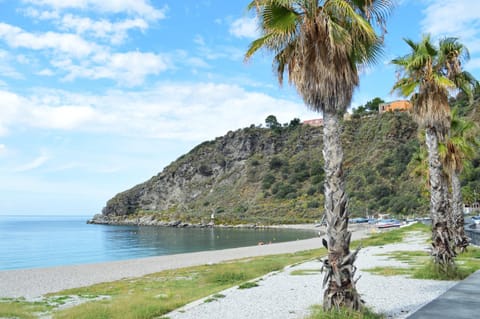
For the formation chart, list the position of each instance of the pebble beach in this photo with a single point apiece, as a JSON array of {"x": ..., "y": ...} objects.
[{"x": 286, "y": 294}]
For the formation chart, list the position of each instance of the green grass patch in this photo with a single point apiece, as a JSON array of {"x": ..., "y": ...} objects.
[
  {"x": 422, "y": 266},
  {"x": 215, "y": 297},
  {"x": 248, "y": 285},
  {"x": 319, "y": 313},
  {"x": 210, "y": 300},
  {"x": 305, "y": 272},
  {"x": 390, "y": 271},
  {"x": 154, "y": 295},
  {"x": 409, "y": 257},
  {"x": 430, "y": 270},
  {"x": 381, "y": 238},
  {"x": 18, "y": 308}
]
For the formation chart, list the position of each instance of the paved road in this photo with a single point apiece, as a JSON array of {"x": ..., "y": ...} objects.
[{"x": 462, "y": 301}]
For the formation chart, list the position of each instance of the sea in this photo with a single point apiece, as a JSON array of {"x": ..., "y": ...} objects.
[{"x": 47, "y": 241}]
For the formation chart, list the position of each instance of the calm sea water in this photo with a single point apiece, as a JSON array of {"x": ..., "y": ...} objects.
[{"x": 42, "y": 241}]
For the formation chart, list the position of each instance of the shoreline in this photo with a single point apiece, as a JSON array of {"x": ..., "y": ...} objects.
[{"x": 31, "y": 283}]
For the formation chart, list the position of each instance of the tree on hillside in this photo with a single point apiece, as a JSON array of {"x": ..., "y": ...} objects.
[
  {"x": 460, "y": 147},
  {"x": 271, "y": 122},
  {"x": 427, "y": 74},
  {"x": 319, "y": 45},
  {"x": 371, "y": 107}
]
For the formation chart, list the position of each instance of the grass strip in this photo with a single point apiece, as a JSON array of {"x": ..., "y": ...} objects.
[
  {"x": 156, "y": 294},
  {"x": 421, "y": 266},
  {"x": 319, "y": 313}
]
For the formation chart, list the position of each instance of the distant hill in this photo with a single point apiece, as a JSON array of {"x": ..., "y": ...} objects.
[{"x": 266, "y": 176}]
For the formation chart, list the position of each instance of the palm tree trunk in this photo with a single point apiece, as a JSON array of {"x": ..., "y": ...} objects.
[
  {"x": 442, "y": 251},
  {"x": 461, "y": 240},
  {"x": 341, "y": 291}
]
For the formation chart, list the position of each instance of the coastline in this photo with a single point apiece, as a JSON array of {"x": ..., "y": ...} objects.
[
  {"x": 150, "y": 220},
  {"x": 31, "y": 283}
]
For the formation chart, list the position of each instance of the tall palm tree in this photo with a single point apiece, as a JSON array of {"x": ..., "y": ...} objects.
[
  {"x": 428, "y": 73},
  {"x": 320, "y": 44},
  {"x": 418, "y": 166},
  {"x": 460, "y": 146}
]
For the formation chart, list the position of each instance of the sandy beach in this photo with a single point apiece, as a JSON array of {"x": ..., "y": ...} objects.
[{"x": 30, "y": 283}]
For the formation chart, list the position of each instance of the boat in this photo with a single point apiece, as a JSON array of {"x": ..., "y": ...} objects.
[{"x": 388, "y": 223}]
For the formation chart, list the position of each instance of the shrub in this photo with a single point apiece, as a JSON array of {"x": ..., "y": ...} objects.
[
  {"x": 268, "y": 181},
  {"x": 283, "y": 190},
  {"x": 276, "y": 162},
  {"x": 317, "y": 179},
  {"x": 316, "y": 168},
  {"x": 311, "y": 191},
  {"x": 205, "y": 170},
  {"x": 313, "y": 204},
  {"x": 255, "y": 162}
]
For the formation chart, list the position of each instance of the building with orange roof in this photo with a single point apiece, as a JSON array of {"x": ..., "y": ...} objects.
[
  {"x": 314, "y": 122},
  {"x": 400, "y": 105}
]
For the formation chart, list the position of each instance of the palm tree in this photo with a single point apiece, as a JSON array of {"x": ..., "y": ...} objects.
[
  {"x": 427, "y": 74},
  {"x": 460, "y": 147},
  {"x": 418, "y": 166},
  {"x": 320, "y": 44}
]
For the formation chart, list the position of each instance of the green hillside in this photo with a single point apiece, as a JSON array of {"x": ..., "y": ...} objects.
[{"x": 275, "y": 175}]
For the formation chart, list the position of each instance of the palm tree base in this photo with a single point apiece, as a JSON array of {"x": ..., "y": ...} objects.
[
  {"x": 341, "y": 291},
  {"x": 442, "y": 251},
  {"x": 461, "y": 240}
]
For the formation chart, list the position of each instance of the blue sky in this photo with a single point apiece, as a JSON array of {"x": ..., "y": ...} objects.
[{"x": 98, "y": 96}]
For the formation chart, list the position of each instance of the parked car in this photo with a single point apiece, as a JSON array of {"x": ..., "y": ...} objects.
[{"x": 476, "y": 219}]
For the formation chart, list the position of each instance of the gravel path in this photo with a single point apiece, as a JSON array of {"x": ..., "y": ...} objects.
[{"x": 285, "y": 296}]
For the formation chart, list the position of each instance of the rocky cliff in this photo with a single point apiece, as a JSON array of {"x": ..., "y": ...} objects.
[{"x": 264, "y": 176}]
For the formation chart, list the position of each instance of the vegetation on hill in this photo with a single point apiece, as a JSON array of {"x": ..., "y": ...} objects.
[{"x": 275, "y": 175}]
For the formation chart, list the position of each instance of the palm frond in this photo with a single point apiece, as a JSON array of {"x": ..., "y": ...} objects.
[{"x": 257, "y": 45}]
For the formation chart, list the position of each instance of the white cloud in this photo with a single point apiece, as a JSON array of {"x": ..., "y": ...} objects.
[
  {"x": 3, "y": 149},
  {"x": 454, "y": 18},
  {"x": 115, "y": 32},
  {"x": 35, "y": 163},
  {"x": 128, "y": 69},
  {"x": 34, "y": 112},
  {"x": 41, "y": 15},
  {"x": 45, "y": 72},
  {"x": 22, "y": 59},
  {"x": 9, "y": 110},
  {"x": 245, "y": 27},
  {"x": 141, "y": 8},
  {"x": 62, "y": 117},
  {"x": 79, "y": 58},
  {"x": 220, "y": 52},
  {"x": 183, "y": 111},
  {"x": 6, "y": 69},
  {"x": 71, "y": 44}
]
